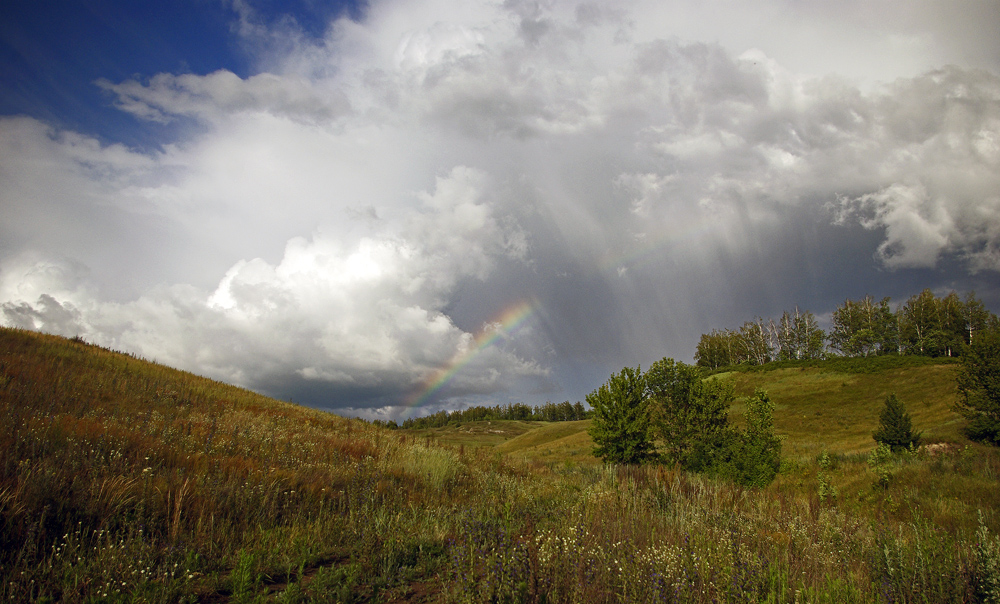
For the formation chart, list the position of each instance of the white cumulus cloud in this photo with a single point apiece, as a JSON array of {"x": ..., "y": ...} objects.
[
  {"x": 342, "y": 223},
  {"x": 366, "y": 316}
]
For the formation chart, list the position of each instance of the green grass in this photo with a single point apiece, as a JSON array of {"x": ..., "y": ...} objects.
[
  {"x": 560, "y": 442},
  {"x": 125, "y": 481},
  {"x": 819, "y": 406},
  {"x": 819, "y": 409},
  {"x": 475, "y": 434}
]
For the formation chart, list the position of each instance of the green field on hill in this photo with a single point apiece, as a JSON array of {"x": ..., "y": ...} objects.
[
  {"x": 126, "y": 481},
  {"x": 824, "y": 407},
  {"x": 819, "y": 406},
  {"x": 475, "y": 434}
]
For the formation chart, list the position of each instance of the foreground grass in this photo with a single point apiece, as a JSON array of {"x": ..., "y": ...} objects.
[{"x": 123, "y": 481}]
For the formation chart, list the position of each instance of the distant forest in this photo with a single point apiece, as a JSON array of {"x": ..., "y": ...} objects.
[
  {"x": 549, "y": 412},
  {"x": 924, "y": 325}
]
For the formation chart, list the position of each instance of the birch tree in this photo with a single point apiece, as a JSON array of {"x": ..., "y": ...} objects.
[{"x": 864, "y": 328}]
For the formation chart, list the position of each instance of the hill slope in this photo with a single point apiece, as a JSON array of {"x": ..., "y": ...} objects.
[
  {"x": 558, "y": 442},
  {"x": 834, "y": 405},
  {"x": 125, "y": 481},
  {"x": 820, "y": 406},
  {"x": 119, "y": 476}
]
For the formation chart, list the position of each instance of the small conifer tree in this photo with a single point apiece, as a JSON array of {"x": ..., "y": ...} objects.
[
  {"x": 895, "y": 428},
  {"x": 752, "y": 457}
]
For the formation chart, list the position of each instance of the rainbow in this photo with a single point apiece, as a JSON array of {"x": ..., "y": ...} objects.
[{"x": 505, "y": 323}]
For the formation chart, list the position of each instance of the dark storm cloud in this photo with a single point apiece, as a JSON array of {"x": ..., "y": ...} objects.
[{"x": 355, "y": 227}]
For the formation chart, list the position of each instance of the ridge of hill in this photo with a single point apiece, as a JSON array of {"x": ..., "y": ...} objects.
[{"x": 126, "y": 481}]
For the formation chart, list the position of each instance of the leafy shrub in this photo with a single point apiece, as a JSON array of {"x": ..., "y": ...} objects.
[
  {"x": 826, "y": 489},
  {"x": 987, "y": 555},
  {"x": 620, "y": 427},
  {"x": 878, "y": 460},
  {"x": 692, "y": 421},
  {"x": 979, "y": 388},
  {"x": 691, "y": 413}
]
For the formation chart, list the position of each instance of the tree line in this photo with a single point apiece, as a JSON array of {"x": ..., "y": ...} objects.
[
  {"x": 925, "y": 325},
  {"x": 549, "y": 412},
  {"x": 672, "y": 414}
]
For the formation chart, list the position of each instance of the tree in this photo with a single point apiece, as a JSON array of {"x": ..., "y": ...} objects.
[
  {"x": 717, "y": 349},
  {"x": 798, "y": 336},
  {"x": 752, "y": 457},
  {"x": 620, "y": 426},
  {"x": 895, "y": 428},
  {"x": 691, "y": 414},
  {"x": 979, "y": 387},
  {"x": 975, "y": 317},
  {"x": 921, "y": 330},
  {"x": 864, "y": 328},
  {"x": 784, "y": 335},
  {"x": 756, "y": 342},
  {"x": 951, "y": 309},
  {"x": 810, "y": 336}
]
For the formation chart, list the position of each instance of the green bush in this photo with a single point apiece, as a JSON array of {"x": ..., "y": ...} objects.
[
  {"x": 691, "y": 413},
  {"x": 878, "y": 460},
  {"x": 692, "y": 422},
  {"x": 979, "y": 388},
  {"x": 620, "y": 427},
  {"x": 752, "y": 457},
  {"x": 987, "y": 557}
]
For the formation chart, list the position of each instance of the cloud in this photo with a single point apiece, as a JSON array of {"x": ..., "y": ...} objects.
[
  {"x": 940, "y": 160},
  {"x": 222, "y": 93},
  {"x": 363, "y": 317},
  {"x": 48, "y": 315},
  {"x": 342, "y": 225}
]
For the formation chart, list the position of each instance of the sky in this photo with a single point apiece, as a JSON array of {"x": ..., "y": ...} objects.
[{"x": 385, "y": 209}]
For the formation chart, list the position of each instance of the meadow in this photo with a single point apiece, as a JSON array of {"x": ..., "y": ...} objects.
[{"x": 126, "y": 481}]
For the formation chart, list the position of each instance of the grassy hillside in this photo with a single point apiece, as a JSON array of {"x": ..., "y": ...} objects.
[
  {"x": 834, "y": 405},
  {"x": 125, "y": 481},
  {"x": 828, "y": 406},
  {"x": 475, "y": 434},
  {"x": 559, "y": 442}
]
